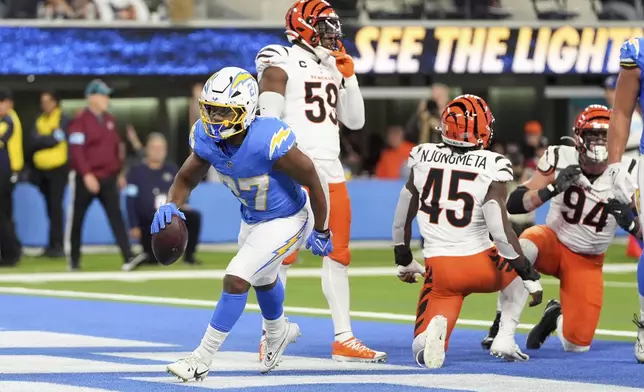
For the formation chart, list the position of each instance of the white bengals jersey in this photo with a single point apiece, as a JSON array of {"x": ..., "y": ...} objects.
[
  {"x": 452, "y": 188},
  {"x": 579, "y": 216},
  {"x": 311, "y": 98}
]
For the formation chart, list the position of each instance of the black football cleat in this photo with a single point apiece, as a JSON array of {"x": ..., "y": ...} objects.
[
  {"x": 546, "y": 326},
  {"x": 491, "y": 334}
]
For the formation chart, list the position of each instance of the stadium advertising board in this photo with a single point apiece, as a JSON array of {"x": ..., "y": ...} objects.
[
  {"x": 157, "y": 51},
  {"x": 490, "y": 50}
]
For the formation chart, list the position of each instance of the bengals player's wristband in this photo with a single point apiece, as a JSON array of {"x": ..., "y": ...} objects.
[
  {"x": 402, "y": 255},
  {"x": 547, "y": 193}
]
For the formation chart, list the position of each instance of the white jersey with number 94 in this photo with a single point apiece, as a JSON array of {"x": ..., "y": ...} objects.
[
  {"x": 579, "y": 216},
  {"x": 311, "y": 98}
]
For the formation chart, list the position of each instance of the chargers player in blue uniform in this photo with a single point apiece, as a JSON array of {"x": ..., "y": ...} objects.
[
  {"x": 258, "y": 159},
  {"x": 628, "y": 91}
]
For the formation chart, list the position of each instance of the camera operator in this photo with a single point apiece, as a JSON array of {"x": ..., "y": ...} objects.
[{"x": 421, "y": 127}]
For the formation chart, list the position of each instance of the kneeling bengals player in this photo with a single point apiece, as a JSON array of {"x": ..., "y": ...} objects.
[
  {"x": 580, "y": 225},
  {"x": 461, "y": 190}
]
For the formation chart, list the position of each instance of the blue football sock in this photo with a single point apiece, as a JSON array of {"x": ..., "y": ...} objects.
[
  {"x": 271, "y": 302},
  {"x": 229, "y": 309},
  {"x": 640, "y": 275}
]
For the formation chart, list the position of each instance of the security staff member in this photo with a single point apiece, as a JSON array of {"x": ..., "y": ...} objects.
[
  {"x": 50, "y": 166},
  {"x": 9, "y": 245},
  {"x": 147, "y": 189},
  {"x": 97, "y": 155}
]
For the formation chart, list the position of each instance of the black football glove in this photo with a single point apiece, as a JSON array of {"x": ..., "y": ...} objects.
[
  {"x": 623, "y": 215},
  {"x": 567, "y": 177}
]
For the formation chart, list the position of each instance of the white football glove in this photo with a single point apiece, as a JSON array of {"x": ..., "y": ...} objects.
[
  {"x": 623, "y": 184},
  {"x": 532, "y": 286},
  {"x": 408, "y": 273},
  {"x": 535, "y": 290}
]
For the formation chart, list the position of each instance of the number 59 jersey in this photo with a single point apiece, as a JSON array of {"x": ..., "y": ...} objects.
[
  {"x": 311, "y": 97},
  {"x": 579, "y": 216},
  {"x": 452, "y": 188}
]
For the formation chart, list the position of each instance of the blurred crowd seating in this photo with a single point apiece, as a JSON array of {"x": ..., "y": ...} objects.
[{"x": 154, "y": 10}]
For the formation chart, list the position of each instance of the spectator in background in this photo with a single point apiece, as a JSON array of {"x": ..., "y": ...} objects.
[
  {"x": 393, "y": 159},
  {"x": 97, "y": 156},
  {"x": 193, "y": 109},
  {"x": 350, "y": 151},
  {"x": 50, "y": 160},
  {"x": 15, "y": 149},
  {"x": 135, "y": 141},
  {"x": 532, "y": 142},
  {"x": 110, "y": 10},
  {"x": 421, "y": 127},
  {"x": 498, "y": 147},
  {"x": 10, "y": 249},
  {"x": 56, "y": 9},
  {"x": 147, "y": 189},
  {"x": 84, "y": 9}
]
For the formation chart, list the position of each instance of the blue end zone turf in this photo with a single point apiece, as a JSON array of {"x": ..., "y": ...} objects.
[{"x": 124, "y": 347}]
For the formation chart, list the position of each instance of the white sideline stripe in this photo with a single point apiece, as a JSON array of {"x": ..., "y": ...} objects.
[
  {"x": 255, "y": 307},
  {"x": 232, "y": 246},
  {"x": 140, "y": 276},
  {"x": 218, "y": 247}
]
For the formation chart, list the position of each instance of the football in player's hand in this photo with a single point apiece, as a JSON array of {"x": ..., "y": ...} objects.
[{"x": 169, "y": 244}]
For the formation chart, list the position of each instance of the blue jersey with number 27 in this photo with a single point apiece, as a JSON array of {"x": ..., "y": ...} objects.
[
  {"x": 247, "y": 170},
  {"x": 631, "y": 56}
]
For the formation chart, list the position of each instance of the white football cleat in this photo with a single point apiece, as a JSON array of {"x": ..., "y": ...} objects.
[
  {"x": 639, "y": 344},
  {"x": 275, "y": 346},
  {"x": 434, "y": 352},
  {"x": 188, "y": 368},
  {"x": 262, "y": 346},
  {"x": 507, "y": 349}
]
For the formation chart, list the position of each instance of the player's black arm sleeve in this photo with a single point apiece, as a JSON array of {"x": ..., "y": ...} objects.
[
  {"x": 515, "y": 201},
  {"x": 193, "y": 170},
  {"x": 523, "y": 200},
  {"x": 300, "y": 167},
  {"x": 406, "y": 210}
]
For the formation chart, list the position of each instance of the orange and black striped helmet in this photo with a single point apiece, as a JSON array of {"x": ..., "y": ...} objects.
[
  {"x": 591, "y": 137},
  {"x": 467, "y": 121},
  {"x": 314, "y": 22}
]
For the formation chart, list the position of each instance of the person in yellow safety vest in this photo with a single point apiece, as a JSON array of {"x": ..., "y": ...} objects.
[
  {"x": 11, "y": 163},
  {"x": 50, "y": 172}
]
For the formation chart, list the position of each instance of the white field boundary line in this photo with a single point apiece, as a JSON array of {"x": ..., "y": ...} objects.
[
  {"x": 232, "y": 247},
  {"x": 255, "y": 307},
  {"x": 141, "y": 276}
]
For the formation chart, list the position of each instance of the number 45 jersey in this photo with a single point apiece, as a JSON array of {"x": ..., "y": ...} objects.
[
  {"x": 579, "y": 216},
  {"x": 311, "y": 97},
  {"x": 452, "y": 188}
]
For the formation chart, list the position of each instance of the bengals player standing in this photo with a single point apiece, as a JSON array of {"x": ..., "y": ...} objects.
[
  {"x": 457, "y": 190},
  {"x": 580, "y": 225},
  {"x": 312, "y": 86}
]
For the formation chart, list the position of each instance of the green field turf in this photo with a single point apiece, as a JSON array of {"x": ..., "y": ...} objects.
[{"x": 370, "y": 294}]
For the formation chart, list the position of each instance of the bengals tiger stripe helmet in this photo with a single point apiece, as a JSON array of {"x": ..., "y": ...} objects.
[
  {"x": 314, "y": 22},
  {"x": 468, "y": 122},
  {"x": 591, "y": 136}
]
